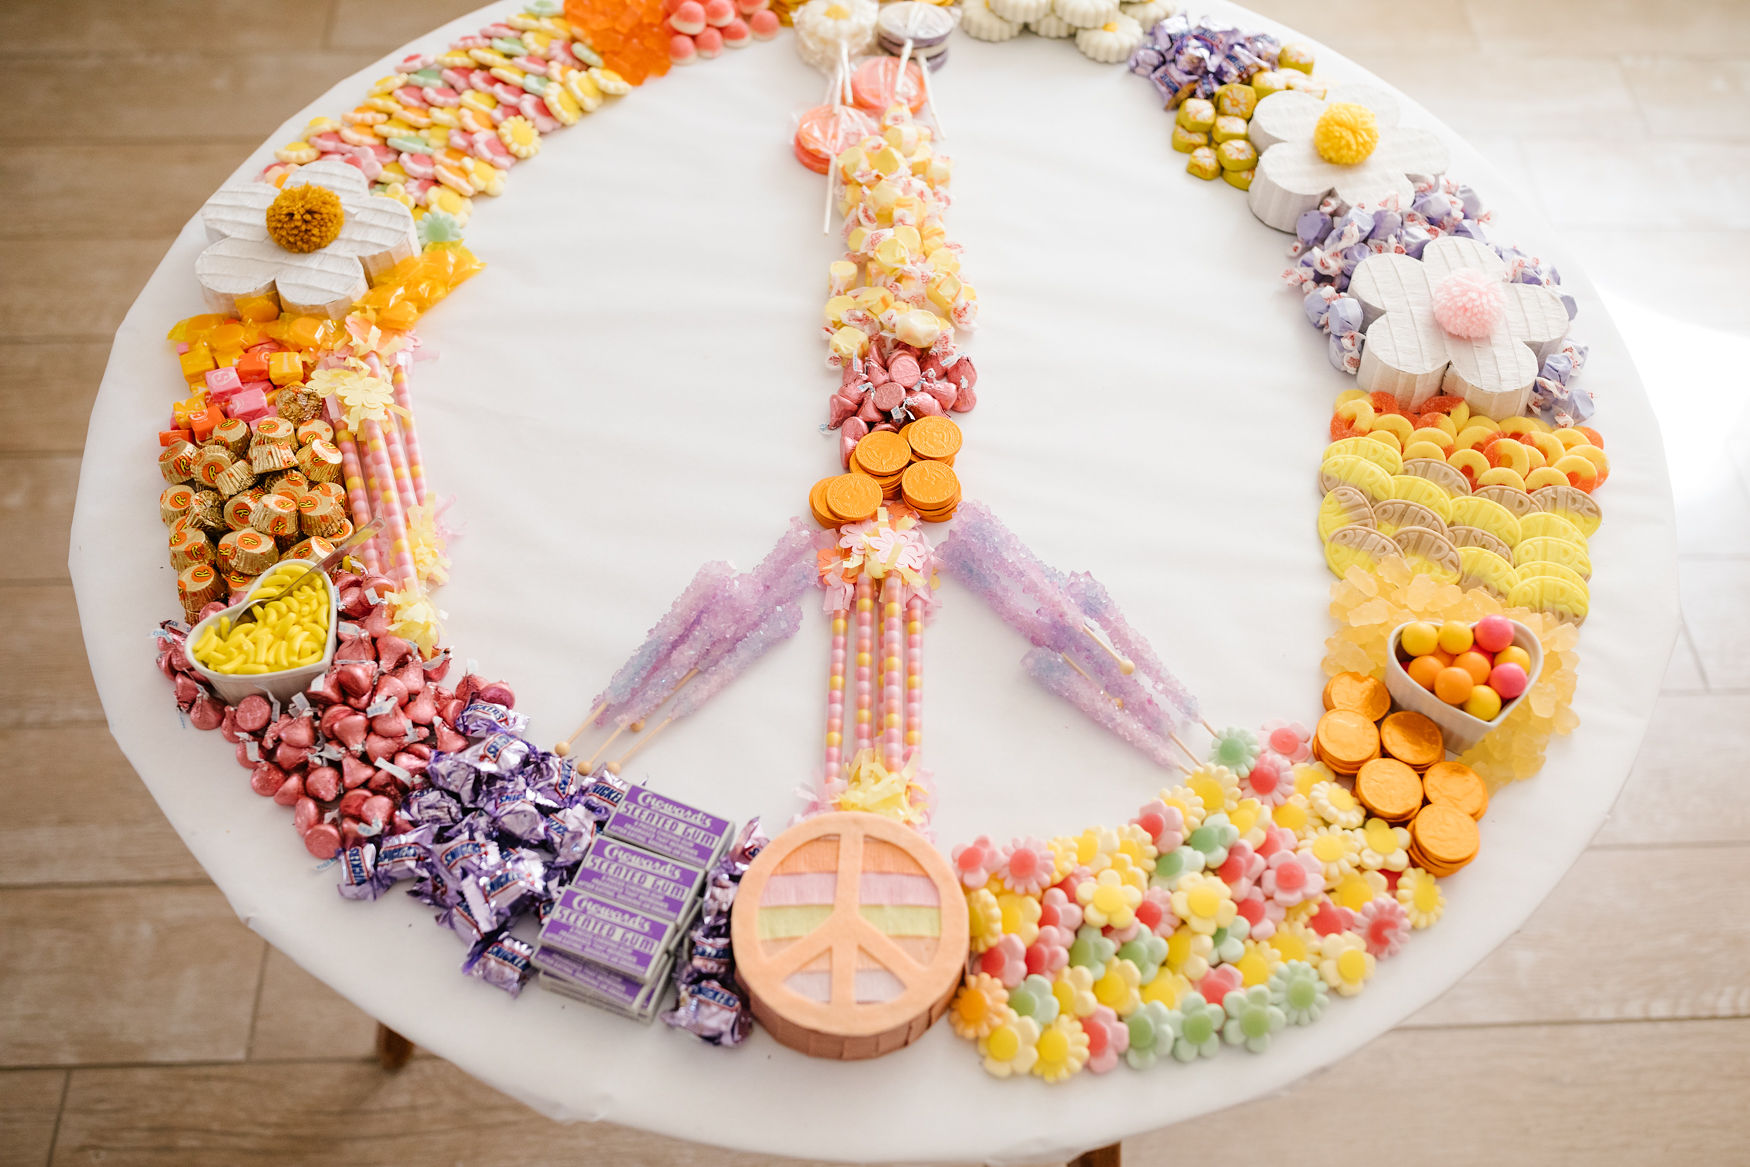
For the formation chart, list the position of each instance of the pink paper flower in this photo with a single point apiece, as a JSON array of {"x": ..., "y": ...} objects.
[
  {"x": 1290, "y": 878},
  {"x": 1108, "y": 1038},
  {"x": 1027, "y": 866},
  {"x": 1006, "y": 960},
  {"x": 1155, "y": 912},
  {"x": 975, "y": 861},
  {"x": 1164, "y": 824},
  {"x": 1058, "y": 909},
  {"x": 1290, "y": 739},
  {"x": 1383, "y": 923},
  {"x": 1049, "y": 953},
  {"x": 1241, "y": 869}
]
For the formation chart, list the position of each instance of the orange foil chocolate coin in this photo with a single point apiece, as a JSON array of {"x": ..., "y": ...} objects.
[
  {"x": 883, "y": 453},
  {"x": 935, "y": 438},
  {"x": 817, "y": 504},
  {"x": 929, "y": 486},
  {"x": 1389, "y": 789},
  {"x": 1412, "y": 739},
  {"x": 1364, "y": 694},
  {"x": 1445, "y": 835},
  {"x": 1346, "y": 740},
  {"x": 1456, "y": 785},
  {"x": 853, "y": 498}
]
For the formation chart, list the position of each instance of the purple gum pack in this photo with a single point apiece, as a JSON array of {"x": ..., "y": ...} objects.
[{"x": 656, "y": 823}]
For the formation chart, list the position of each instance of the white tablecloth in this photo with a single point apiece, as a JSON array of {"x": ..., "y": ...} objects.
[{"x": 635, "y": 386}]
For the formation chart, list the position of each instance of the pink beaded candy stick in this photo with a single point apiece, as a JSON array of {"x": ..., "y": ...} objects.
[
  {"x": 403, "y": 477},
  {"x": 358, "y": 499},
  {"x": 865, "y": 665},
  {"x": 388, "y": 500},
  {"x": 835, "y": 702},
  {"x": 892, "y": 684},
  {"x": 409, "y": 431},
  {"x": 914, "y": 676}
]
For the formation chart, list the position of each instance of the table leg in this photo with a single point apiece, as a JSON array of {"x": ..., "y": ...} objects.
[
  {"x": 1100, "y": 1157},
  {"x": 393, "y": 1050}
]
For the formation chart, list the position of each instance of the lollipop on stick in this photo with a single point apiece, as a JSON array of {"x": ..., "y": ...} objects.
[{"x": 913, "y": 28}]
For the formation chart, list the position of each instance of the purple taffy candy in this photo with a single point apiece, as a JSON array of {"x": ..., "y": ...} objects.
[
  {"x": 1345, "y": 315},
  {"x": 1385, "y": 225},
  {"x": 1312, "y": 227}
]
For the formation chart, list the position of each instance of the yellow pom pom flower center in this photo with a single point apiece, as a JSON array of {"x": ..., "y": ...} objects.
[
  {"x": 1346, "y": 133},
  {"x": 305, "y": 218}
]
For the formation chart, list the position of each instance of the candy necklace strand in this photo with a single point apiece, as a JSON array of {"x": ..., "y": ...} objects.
[
  {"x": 865, "y": 665},
  {"x": 892, "y": 694},
  {"x": 914, "y": 675},
  {"x": 835, "y": 700}
]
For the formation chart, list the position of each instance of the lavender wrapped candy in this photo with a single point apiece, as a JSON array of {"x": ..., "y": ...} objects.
[
  {"x": 483, "y": 717},
  {"x": 503, "y": 962},
  {"x": 711, "y": 1012},
  {"x": 358, "y": 873}
]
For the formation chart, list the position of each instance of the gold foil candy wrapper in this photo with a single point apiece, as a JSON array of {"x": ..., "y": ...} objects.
[
  {"x": 320, "y": 461},
  {"x": 250, "y": 552},
  {"x": 291, "y": 483},
  {"x": 315, "y": 430},
  {"x": 197, "y": 586},
  {"x": 275, "y": 429},
  {"x": 238, "y": 582},
  {"x": 210, "y": 463},
  {"x": 315, "y": 547},
  {"x": 297, "y": 404},
  {"x": 240, "y": 508},
  {"x": 236, "y": 477},
  {"x": 176, "y": 462},
  {"x": 333, "y": 490},
  {"x": 275, "y": 515},
  {"x": 269, "y": 457},
  {"x": 207, "y": 512},
  {"x": 231, "y": 434},
  {"x": 319, "y": 515},
  {"x": 173, "y": 504},
  {"x": 188, "y": 547}
]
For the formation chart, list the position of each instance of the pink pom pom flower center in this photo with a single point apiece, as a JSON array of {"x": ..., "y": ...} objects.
[{"x": 1469, "y": 303}]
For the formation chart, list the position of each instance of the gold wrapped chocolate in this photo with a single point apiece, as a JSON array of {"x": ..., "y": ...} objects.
[
  {"x": 210, "y": 463},
  {"x": 314, "y": 430},
  {"x": 250, "y": 552},
  {"x": 197, "y": 586},
  {"x": 320, "y": 461},
  {"x": 319, "y": 515},
  {"x": 239, "y": 507},
  {"x": 174, "y": 502},
  {"x": 237, "y": 476},
  {"x": 291, "y": 483},
  {"x": 269, "y": 457},
  {"x": 275, "y": 515},
  {"x": 207, "y": 511},
  {"x": 238, "y": 581},
  {"x": 188, "y": 547},
  {"x": 297, "y": 404},
  {"x": 231, "y": 434},
  {"x": 333, "y": 490},
  {"x": 176, "y": 462},
  {"x": 1185, "y": 141},
  {"x": 315, "y": 547}
]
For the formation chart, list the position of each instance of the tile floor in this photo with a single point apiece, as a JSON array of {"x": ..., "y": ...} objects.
[{"x": 1633, "y": 131}]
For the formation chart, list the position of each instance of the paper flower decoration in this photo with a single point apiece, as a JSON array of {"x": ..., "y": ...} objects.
[
  {"x": 1451, "y": 323},
  {"x": 317, "y": 249},
  {"x": 1351, "y": 146}
]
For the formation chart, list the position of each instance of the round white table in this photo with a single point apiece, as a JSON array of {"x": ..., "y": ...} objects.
[{"x": 635, "y": 385}]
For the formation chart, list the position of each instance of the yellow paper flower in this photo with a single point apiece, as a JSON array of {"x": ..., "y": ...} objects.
[
  {"x": 985, "y": 917},
  {"x": 362, "y": 397},
  {"x": 1344, "y": 963},
  {"x": 1008, "y": 1048},
  {"x": 1204, "y": 903},
  {"x": 427, "y": 546},
  {"x": 1020, "y": 916},
  {"x": 1108, "y": 901},
  {"x": 414, "y": 618},
  {"x": 1062, "y": 1050},
  {"x": 981, "y": 1005},
  {"x": 1420, "y": 895},
  {"x": 1074, "y": 990},
  {"x": 1120, "y": 989}
]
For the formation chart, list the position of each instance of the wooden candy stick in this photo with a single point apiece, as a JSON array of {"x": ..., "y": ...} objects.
[
  {"x": 563, "y": 749},
  {"x": 892, "y": 677},
  {"x": 835, "y": 98},
  {"x": 914, "y": 675},
  {"x": 1125, "y": 665},
  {"x": 835, "y": 703},
  {"x": 615, "y": 766},
  {"x": 865, "y": 664},
  {"x": 930, "y": 101}
]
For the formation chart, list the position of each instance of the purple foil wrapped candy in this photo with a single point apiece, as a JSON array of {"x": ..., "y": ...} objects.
[
  {"x": 358, "y": 873},
  {"x": 483, "y": 717},
  {"x": 711, "y": 1012},
  {"x": 502, "y": 962}
]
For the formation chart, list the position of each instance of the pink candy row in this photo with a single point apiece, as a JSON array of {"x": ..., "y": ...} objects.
[
  {"x": 876, "y": 394},
  {"x": 344, "y": 758},
  {"x": 704, "y": 30}
]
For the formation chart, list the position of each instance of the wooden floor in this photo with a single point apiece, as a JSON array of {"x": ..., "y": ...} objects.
[{"x": 140, "y": 1023}]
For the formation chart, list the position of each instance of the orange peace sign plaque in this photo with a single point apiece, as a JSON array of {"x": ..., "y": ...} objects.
[{"x": 850, "y": 935}]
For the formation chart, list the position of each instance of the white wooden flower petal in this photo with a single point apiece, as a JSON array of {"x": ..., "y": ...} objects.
[
  {"x": 1370, "y": 184},
  {"x": 1447, "y": 254},
  {"x": 1413, "y": 151},
  {"x": 1493, "y": 374},
  {"x": 1291, "y": 180},
  {"x": 243, "y": 261},
  {"x": 1543, "y": 318},
  {"x": 1283, "y": 117},
  {"x": 1389, "y": 283}
]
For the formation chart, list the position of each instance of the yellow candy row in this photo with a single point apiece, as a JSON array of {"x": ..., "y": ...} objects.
[{"x": 289, "y": 632}]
